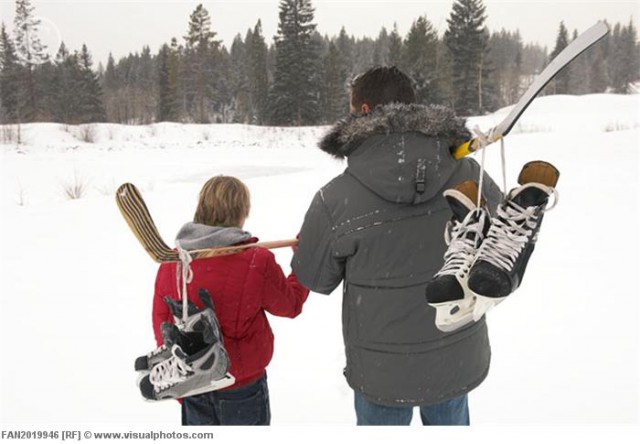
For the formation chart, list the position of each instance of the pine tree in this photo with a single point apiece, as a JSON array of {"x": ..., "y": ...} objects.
[
  {"x": 506, "y": 57},
  {"x": 419, "y": 56},
  {"x": 346, "y": 67},
  {"x": 179, "y": 77},
  {"x": 11, "y": 95},
  {"x": 624, "y": 58},
  {"x": 110, "y": 84},
  {"x": 560, "y": 84},
  {"x": 45, "y": 75},
  {"x": 488, "y": 88},
  {"x": 363, "y": 55},
  {"x": 220, "y": 83},
  {"x": 444, "y": 75},
  {"x": 66, "y": 87},
  {"x": 3, "y": 39},
  {"x": 167, "y": 86},
  {"x": 201, "y": 48},
  {"x": 30, "y": 50},
  {"x": 395, "y": 48},
  {"x": 110, "y": 79},
  {"x": 333, "y": 103},
  {"x": 294, "y": 96},
  {"x": 381, "y": 52},
  {"x": 146, "y": 86},
  {"x": 90, "y": 90},
  {"x": 240, "y": 80},
  {"x": 466, "y": 41},
  {"x": 345, "y": 45},
  {"x": 30, "y": 53},
  {"x": 258, "y": 74},
  {"x": 174, "y": 79},
  {"x": 578, "y": 72},
  {"x": 598, "y": 72}
]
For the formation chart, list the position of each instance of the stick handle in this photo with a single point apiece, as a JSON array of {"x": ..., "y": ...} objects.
[
  {"x": 223, "y": 251},
  {"x": 463, "y": 150},
  {"x": 471, "y": 146}
]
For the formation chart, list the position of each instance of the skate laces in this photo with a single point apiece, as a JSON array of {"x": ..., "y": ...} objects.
[
  {"x": 463, "y": 239},
  {"x": 168, "y": 373},
  {"x": 184, "y": 275},
  {"x": 510, "y": 231}
]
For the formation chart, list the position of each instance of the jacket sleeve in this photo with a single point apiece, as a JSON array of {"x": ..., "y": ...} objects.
[
  {"x": 282, "y": 296},
  {"x": 315, "y": 261},
  {"x": 160, "y": 312}
]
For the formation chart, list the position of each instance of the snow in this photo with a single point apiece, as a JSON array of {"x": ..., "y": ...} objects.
[{"x": 76, "y": 287}]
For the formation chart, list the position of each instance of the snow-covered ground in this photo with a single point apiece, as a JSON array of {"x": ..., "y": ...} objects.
[{"x": 76, "y": 287}]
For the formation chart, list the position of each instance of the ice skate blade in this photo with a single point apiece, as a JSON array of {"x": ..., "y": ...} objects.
[
  {"x": 226, "y": 381},
  {"x": 446, "y": 321},
  {"x": 483, "y": 305}
]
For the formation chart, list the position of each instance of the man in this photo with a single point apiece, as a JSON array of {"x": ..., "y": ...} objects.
[{"x": 379, "y": 228}]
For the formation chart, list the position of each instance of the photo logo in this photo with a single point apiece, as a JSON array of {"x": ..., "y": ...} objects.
[{"x": 37, "y": 40}]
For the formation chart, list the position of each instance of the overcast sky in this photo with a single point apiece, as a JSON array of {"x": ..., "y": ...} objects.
[{"x": 123, "y": 26}]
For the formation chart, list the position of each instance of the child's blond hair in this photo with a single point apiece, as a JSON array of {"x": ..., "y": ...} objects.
[{"x": 224, "y": 201}]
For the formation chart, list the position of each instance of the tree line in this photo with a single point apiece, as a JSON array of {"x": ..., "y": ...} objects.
[{"x": 301, "y": 78}]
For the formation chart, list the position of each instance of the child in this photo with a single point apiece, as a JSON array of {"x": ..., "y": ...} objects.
[{"x": 243, "y": 287}]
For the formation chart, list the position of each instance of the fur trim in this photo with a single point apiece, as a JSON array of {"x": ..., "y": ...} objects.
[{"x": 432, "y": 120}]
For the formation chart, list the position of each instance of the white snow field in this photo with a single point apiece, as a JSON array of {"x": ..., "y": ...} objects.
[{"x": 76, "y": 286}]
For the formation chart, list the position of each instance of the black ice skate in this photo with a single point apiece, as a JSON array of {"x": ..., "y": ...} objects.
[
  {"x": 503, "y": 256},
  {"x": 198, "y": 363},
  {"x": 146, "y": 362},
  {"x": 448, "y": 292}
]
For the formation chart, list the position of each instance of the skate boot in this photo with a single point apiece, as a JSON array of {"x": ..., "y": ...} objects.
[
  {"x": 503, "y": 256},
  {"x": 198, "y": 364},
  {"x": 146, "y": 362},
  {"x": 448, "y": 291}
]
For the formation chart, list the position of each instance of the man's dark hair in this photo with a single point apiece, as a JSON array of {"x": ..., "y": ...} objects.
[{"x": 381, "y": 85}]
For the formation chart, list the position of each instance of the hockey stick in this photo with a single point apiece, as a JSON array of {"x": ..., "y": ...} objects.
[
  {"x": 136, "y": 214},
  {"x": 568, "y": 54}
]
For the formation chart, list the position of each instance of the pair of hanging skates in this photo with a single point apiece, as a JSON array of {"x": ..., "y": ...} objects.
[
  {"x": 192, "y": 359},
  {"x": 487, "y": 256}
]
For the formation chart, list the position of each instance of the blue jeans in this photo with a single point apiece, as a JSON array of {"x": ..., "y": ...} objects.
[
  {"x": 452, "y": 412},
  {"x": 248, "y": 405}
]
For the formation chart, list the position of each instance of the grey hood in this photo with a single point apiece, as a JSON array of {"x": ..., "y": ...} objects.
[
  {"x": 400, "y": 152},
  {"x": 193, "y": 236}
]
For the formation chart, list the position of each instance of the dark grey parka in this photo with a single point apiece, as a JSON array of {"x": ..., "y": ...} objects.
[{"x": 379, "y": 228}]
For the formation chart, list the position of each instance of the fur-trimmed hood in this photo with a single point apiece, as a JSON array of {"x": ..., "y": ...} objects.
[
  {"x": 433, "y": 120},
  {"x": 400, "y": 152}
]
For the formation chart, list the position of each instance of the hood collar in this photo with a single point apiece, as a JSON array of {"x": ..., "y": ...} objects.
[{"x": 194, "y": 236}]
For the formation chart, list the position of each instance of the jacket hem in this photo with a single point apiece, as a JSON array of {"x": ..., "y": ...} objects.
[{"x": 423, "y": 401}]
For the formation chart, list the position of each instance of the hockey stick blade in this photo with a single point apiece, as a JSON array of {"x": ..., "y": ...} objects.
[
  {"x": 136, "y": 214},
  {"x": 568, "y": 54}
]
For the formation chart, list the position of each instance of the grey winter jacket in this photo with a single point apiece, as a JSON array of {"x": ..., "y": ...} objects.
[{"x": 379, "y": 228}]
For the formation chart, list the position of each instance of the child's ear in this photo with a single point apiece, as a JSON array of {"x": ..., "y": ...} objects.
[{"x": 365, "y": 108}]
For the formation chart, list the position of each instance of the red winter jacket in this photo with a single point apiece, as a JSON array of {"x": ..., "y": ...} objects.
[{"x": 243, "y": 286}]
